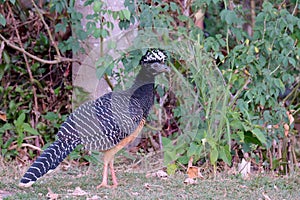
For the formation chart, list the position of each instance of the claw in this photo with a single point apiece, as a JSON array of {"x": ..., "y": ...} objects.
[{"x": 104, "y": 185}]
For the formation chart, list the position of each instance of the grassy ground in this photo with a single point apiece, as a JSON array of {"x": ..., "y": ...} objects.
[{"x": 135, "y": 185}]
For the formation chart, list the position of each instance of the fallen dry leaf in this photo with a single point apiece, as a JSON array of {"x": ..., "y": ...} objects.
[
  {"x": 193, "y": 171},
  {"x": 286, "y": 126},
  {"x": 244, "y": 168},
  {"x": 286, "y": 129},
  {"x": 135, "y": 193},
  {"x": 159, "y": 174},
  {"x": 3, "y": 116},
  {"x": 148, "y": 175},
  {"x": 50, "y": 195},
  {"x": 65, "y": 166},
  {"x": 190, "y": 181},
  {"x": 79, "y": 192},
  {"x": 148, "y": 186},
  {"x": 276, "y": 126},
  {"x": 290, "y": 116}
]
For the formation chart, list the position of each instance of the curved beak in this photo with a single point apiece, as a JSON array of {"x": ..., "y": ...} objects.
[{"x": 163, "y": 68}]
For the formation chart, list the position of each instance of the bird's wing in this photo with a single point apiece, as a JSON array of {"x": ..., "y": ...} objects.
[{"x": 103, "y": 123}]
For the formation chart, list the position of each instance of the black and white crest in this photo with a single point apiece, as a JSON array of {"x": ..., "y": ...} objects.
[{"x": 154, "y": 55}]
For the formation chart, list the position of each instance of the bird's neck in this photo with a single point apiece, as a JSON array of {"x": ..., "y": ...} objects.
[
  {"x": 143, "y": 90},
  {"x": 143, "y": 78}
]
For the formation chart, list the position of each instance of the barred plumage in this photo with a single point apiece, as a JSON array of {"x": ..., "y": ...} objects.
[
  {"x": 49, "y": 160},
  {"x": 107, "y": 123}
]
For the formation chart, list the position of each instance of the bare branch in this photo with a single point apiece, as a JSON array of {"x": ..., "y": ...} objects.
[
  {"x": 35, "y": 108},
  {"x": 47, "y": 28},
  {"x": 50, "y": 62}
]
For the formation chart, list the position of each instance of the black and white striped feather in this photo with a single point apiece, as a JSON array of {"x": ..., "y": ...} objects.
[
  {"x": 100, "y": 124},
  {"x": 48, "y": 161}
]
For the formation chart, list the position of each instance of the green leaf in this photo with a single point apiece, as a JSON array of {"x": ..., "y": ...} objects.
[
  {"x": 2, "y": 20},
  {"x": 121, "y": 15},
  {"x": 213, "y": 156},
  {"x": 193, "y": 149},
  {"x": 126, "y": 14},
  {"x": 230, "y": 17},
  {"x": 211, "y": 141},
  {"x": 169, "y": 156},
  {"x": 60, "y": 27},
  {"x": 100, "y": 71},
  {"x": 20, "y": 120},
  {"x": 236, "y": 124},
  {"x": 8, "y": 142},
  {"x": 97, "y": 33},
  {"x": 166, "y": 141},
  {"x": 241, "y": 135},
  {"x": 174, "y": 6},
  {"x": 51, "y": 116},
  {"x": 260, "y": 135},
  {"x": 225, "y": 154},
  {"x": 115, "y": 15},
  {"x": 88, "y": 2},
  {"x": 183, "y": 159},
  {"x": 97, "y": 6},
  {"x": 183, "y": 18},
  {"x": 6, "y": 57},
  {"x": 81, "y": 34},
  {"x": 104, "y": 33},
  {"x": 292, "y": 61},
  {"x": 171, "y": 169},
  {"x": 29, "y": 129},
  {"x": 279, "y": 84},
  {"x": 6, "y": 127},
  {"x": 20, "y": 138}
]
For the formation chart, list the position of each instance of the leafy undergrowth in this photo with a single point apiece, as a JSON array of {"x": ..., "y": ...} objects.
[{"x": 136, "y": 183}]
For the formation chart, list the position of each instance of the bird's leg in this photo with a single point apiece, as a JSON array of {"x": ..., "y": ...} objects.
[
  {"x": 104, "y": 176},
  {"x": 108, "y": 159},
  {"x": 113, "y": 174}
]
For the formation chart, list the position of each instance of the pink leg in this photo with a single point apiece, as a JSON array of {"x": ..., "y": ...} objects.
[
  {"x": 113, "y": 174},
  {"x": 104, "y": 176}
]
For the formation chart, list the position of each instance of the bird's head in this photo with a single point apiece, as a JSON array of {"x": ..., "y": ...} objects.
[{"x": 154, "y": 61}]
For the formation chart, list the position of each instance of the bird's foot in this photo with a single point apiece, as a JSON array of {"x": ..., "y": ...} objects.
[
  {"x": 105, "y": 185},
  {"x": 102, "y": 185}
]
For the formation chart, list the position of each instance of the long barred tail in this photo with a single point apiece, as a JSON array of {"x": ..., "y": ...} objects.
[{"x": 48, "y": 161}]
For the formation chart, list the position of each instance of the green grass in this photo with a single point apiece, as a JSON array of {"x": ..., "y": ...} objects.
[{"x": 135, "y": 185}]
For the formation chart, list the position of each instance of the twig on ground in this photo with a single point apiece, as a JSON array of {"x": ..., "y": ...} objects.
[
  {"x": 25, "y": 145},
  {"x": 26, "y": 138}
]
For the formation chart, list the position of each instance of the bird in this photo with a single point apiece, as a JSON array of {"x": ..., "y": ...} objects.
[{"x": 107, "y": 123}]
